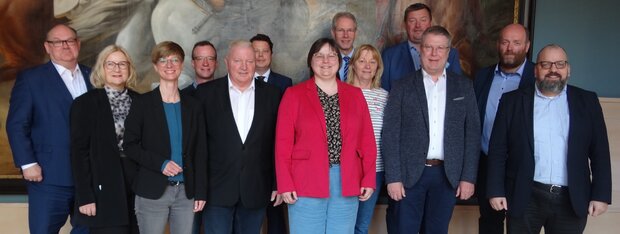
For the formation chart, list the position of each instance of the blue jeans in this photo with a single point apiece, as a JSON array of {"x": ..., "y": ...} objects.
[
  {"x": 335, "y": 214},
  {"x": 367, "y": 208}
]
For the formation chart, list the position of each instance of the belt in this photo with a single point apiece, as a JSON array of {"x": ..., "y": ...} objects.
[
  {"x": 551, "y": 188},
  {"x": 174, "y": 183},
  {"x": 433, "y": 162}
]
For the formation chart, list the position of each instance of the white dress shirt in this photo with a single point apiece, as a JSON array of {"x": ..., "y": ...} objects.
[
  {"x": 436, "y": 102},
  {"x": 242, "y": 104},
  {"x": 266, "y": 75}
]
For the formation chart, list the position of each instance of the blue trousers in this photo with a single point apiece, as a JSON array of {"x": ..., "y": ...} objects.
[
  {"x": 220, "y": 219},
  {"x": 431, "y": 200},
  {"x": 48, "y": 208},
  {"x": 367, "y": 208},
  {"x": 335, "y": 214}
]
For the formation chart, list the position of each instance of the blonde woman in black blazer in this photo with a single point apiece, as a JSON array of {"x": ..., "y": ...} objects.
[{"x": 102, "y": 173}]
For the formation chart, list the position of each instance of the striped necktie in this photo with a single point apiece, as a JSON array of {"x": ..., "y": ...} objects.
[{"x": 346, "y": 67}]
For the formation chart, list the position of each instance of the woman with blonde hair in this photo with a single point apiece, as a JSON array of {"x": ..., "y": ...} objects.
[{"x": 102, "y": 173}]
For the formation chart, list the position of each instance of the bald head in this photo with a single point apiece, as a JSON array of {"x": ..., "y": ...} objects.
[{"x": 512, "y": 46}]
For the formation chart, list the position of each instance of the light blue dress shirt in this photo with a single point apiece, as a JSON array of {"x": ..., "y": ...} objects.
[
  {"x": 502, "y": 83},
  {"x": 415, "y": 55},
  {"x": 551, "y": 123}
]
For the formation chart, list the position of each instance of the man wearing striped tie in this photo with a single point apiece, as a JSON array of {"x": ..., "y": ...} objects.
[{"x": 344, "y": 27}]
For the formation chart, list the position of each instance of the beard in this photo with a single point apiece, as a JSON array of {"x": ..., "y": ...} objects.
[
  {"x": 553, "y": 86},
  {"x": 512, "y": 63}
]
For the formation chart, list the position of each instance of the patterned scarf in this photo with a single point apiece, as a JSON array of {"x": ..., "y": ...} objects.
[{"x": 120, "y": 102}]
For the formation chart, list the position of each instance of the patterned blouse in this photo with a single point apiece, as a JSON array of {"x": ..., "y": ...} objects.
[
  {"x": 376, "y": 100},
  {"x": 331, "y": 109}
]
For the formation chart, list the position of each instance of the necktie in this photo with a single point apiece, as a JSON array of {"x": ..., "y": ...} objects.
[
  {"x": 346, "y": 67},
  {"x": 261, "y": 78}
]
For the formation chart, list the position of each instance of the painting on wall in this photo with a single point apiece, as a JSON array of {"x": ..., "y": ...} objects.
[{"x": 293, "y": 25}]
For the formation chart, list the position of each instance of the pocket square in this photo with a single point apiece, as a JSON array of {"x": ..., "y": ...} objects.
[{"x": 458, "y": 99}]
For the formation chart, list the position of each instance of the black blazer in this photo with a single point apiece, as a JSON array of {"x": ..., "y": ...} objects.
[
  {"x": 484, "y": 79},
  {"x": 147, "y": 142},
  {"x": 511, "y": 151},
  {"x": 280, "y": 81},
  {"x": 100, "y": 175},
  {"x": 237, "y": 170}
]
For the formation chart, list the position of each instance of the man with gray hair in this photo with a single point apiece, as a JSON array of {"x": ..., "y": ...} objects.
[
  {"x": 344, "y": 28},
  {"x": 240, "y": 121},
  {"x": 431, "y": 141}
]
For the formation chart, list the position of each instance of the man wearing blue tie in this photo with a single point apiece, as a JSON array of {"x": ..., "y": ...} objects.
[
  {"x": 38, "y": 130},
  {"x": 344, "y": 27}
]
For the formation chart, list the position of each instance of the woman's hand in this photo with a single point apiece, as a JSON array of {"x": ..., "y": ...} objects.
[
  {"x": 365, "y": 193},
  {"x": 289, "y": 197}
]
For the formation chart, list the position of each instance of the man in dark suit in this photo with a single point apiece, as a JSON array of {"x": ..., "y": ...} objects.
[
  {"x": 513, "y": 71},
  {"x": 38, "y": 130},
  {"x": 204, "y": 62},
  {"x": 431, "y": 141},
  {"x": 344, "y": 29},
  {"x": 263, "y": 50},
  {"x": 403, "y": 59},
  {"x": 240, "y": 115},
  {"x": 549, "y": 163}
]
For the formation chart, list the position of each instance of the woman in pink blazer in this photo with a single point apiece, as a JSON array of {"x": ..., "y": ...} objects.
[{"x": 325, "y": 147}]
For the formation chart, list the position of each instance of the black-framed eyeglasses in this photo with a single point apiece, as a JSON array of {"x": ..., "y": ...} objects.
[
  {"x": 123, "y": 65},
  {"x": 59, "y": 43},
  {"x": 558, "y": 64}
]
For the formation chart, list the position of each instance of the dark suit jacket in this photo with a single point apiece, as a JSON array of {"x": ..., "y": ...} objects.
[
  {"x": 38, "y": 122},
  {"x": 280, "y": 81},
  {"x": 101, "y": 176},
  {"x": 237, "y": 170},
  {"x": 189, "y": 90},
  {"x": 405, "y": 131},
  {"x": 397, "y": 64},
  {"x": 511, "y": 151},
  {"x": 484, "y": 79},
  {"x": 147, "y": 141}
]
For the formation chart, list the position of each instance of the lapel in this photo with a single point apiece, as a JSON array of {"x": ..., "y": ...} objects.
[
  {"x": 108, "y": 119},
  {"x": 528, "y": 114},
  {"x": 86, "y": 75},
  {"x": 344, "y": 102},
  {"x": 486, "y": 87},
  {"x": 186, "y": 122},
  {"x": 271, "y": 79},
  {"x": 312, "y": 96},
  {"x": 260, "y": 106},
  {"x": 453, "y": 91},
  {"x": 57, "y": 84},
  {"x": 226, "y": 108},
  {"x": 574, "y": 118},
  {"x": 528, "y": 75},
  {"x": 159, "y": 118},
  {"x": 420, "y": 95},
  {"x": 408, "y": 61}
]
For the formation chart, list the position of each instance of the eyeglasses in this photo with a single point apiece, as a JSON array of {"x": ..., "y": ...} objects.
[
  {"x": 59, "y": 43},
  {"x": 439, "y": 49},
  {"x": 202, "y": 59},
  {"x": 329, "y": 57},
  {"x": 164, "y": 61},
  {"x": 123, "y": 65},
  {"x": 343, "y": 31},
  {"x": 558, "y": 64}
]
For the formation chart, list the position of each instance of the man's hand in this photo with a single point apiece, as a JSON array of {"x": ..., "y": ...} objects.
[
  {"x": 597, "y": 208},
  {"x": 289, "y": 197},
  {"x": 365, "y": 193},
  {"x": 499, "y": 203},
  {"x": 199, "y": 205},
  {"x": 465, "y": 190},
  {"x": 88, "y": 209},
  {"x": 33, "y": 173},
  {"x": 276, "y": 198},
  {"x": 172, "y": 169},
  {"x": 396, "y": 191}
]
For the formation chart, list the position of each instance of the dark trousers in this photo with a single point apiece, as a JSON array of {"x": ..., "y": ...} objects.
[
  {"x": 220, "y": 219},
  {"x": 552, "y": 211},
  {"x": 431, "y": 200},
  {"x": 48, "y": 208},
  {"x": 111, "y": 230},
  {"x": 490, "y": 221},
  {"x": 275, "y": 219}
]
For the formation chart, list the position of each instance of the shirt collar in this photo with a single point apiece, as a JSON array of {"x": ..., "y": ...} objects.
[
  {"x": 233, "y": 87},
  {"x": 266, "y": 75},
  {"x": 350, "y": 54},
  {"x": 425, "y": 75},
  {"x": 540, "y": 95},
  {"x": 519, "y": 71},
  {"x": 61, "y": 69}
]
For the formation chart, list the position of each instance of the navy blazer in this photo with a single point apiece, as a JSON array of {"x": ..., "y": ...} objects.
[
  {"x": 38, "y": 122},
  {"x": 511, "y": 151},
  {"x": 405, "y": 137},
  {"x": 280, "y": 81},
  {"x": 484, "y": 79},
  {"x": 397, "y": 63}
]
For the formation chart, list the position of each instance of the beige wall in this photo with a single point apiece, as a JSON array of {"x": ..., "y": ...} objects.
[{"x": 15, "y": 215}]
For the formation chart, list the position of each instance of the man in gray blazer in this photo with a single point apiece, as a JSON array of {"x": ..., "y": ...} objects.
[{"x": 431, "y": 139}]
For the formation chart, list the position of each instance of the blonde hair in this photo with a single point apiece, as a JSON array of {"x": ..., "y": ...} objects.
[
  {"x": 351, "y": 77},
  {"x": 97, "y": 77}
]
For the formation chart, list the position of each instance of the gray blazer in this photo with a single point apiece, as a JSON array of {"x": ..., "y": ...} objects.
[{"x": 405, "y": 131}]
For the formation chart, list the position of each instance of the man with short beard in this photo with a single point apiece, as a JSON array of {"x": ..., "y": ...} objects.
[
  {"x": 549, "y": 163},
  {"x": 511, "y": 72}
]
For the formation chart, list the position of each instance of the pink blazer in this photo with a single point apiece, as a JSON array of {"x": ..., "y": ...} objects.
[{"x": 302, "y": 162}]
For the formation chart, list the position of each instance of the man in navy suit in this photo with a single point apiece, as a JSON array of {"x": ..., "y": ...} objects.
[
  {"x": 549, "y": 163},
  {"x": 344, "y": 28},
  {"x": 404, "y": 58},
  {"x": 38, "y": 129},
  {"x": 431, "y": 142},
  {"x": 204, "y": 62},
  {"x": 513, "y": 71},
  {"x": 263, "y": 50}
]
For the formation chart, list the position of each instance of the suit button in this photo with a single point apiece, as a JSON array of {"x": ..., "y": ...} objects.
[{"x": 242, "y": 147}]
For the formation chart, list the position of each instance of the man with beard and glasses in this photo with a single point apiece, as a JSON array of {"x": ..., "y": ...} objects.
[
  {"x": 513, "y": 71},
  {"x": 549, "y": 163}
]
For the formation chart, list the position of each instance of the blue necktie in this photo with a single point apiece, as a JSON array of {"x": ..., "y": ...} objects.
[{"x": 346, "y": 67}]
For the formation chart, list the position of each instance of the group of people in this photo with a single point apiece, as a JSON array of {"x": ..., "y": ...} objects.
[{"x": 221, "y": 154}]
